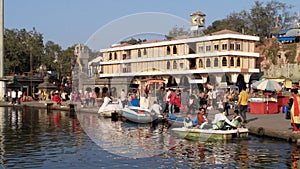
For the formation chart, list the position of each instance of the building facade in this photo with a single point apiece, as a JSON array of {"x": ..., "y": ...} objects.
[{"x": 222, "y": 57}]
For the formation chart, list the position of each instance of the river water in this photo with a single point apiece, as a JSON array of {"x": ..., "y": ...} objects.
[{"x": 33, "y": 138}]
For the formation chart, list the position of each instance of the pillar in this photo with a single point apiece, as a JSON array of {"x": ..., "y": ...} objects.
[
  {"x": 2, "y": 84},
  {"x": 247, "y": 79},
  {"x": 233, "y": 78},
  {"x": 218, "y": 79}
]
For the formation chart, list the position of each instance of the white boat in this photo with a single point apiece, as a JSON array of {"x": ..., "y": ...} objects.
[
  {"x": 108, "y": 107},
  {"x": 210, "y": 134},
  {"x": 139, "y": 115}
]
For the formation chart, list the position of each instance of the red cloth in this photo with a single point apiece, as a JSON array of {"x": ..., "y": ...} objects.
[
  {"x": 201, "y": 118},
  {"x": 296, "y": 107},
  {"x": 177, "y": 101},
  {"x": 56, "y": 99},
  {"x": 172, "y": 97}
]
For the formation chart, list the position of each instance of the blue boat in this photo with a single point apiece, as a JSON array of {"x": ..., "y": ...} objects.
[{"x": 177, "y": 121}]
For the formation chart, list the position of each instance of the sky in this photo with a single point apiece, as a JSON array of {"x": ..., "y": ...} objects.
[{"x": 101, "y": 23}]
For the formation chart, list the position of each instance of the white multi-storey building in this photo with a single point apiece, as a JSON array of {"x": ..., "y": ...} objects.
[{"x": 224, "y": 56}]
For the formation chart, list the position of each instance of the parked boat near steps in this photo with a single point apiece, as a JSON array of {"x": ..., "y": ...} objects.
[
  {"x": 139, "y": 115},
  {"x": 210, "y": 134},
  {"x": 108, "y": 107}
]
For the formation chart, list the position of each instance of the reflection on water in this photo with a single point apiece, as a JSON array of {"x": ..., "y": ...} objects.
[{"x": 32, "y": 138}]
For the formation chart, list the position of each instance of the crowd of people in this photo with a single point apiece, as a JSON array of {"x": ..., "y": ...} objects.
[{"x": 221, "y": 120}]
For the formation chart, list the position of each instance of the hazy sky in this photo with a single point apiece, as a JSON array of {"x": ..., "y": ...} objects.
[{"x": 100, "y": 23}]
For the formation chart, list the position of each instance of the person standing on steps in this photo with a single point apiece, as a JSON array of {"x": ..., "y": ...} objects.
[
  {"x": 243, "y": 103},
  {"x": 294, "y": 105}
]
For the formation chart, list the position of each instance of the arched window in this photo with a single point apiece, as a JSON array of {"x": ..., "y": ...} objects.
[
  {"x": 145, "y": 52},
  {"x": 174, "y": 65},
  {"x": 115, "y": 56},
  {"x": 110, "y": 56},
  {"x": 216, "y": 62},
  {"x": 174, "y": 50},
  {"x": 224, "y": 61},
  {"x": 207, "y": 62},
  {"x": 200, "y": 63},
  {"x": 238, "y": 62},
  {"x": 168, "y": 65},
  {"x": 139, "y": 53},
  {"x": 168, "y": 50},
  {"x": 231, "y": 61}
]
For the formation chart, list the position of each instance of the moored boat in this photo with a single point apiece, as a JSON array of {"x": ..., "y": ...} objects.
[
  {"x": 209, "y": 134},
  {"x": 139, "y": 115},
  {"x": 108, "y": 107},
  {"x": 177, "y": 121}
]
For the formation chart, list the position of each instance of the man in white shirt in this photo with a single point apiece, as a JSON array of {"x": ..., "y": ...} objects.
[
  {"x": 13, "y": 96},
  {"x": 156, "y": 108}
]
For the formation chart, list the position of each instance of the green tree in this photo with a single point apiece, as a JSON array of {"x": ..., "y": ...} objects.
[
  {"x": 234, "y": 21},
  {"x": 68, "y": 61},
  {"x": 177, "y": 32},
  {"x": 19, "y": 47},
  {"x": 261, "y": 20},
  {"x": 264, "y": 18},
  {"x": 52, "y": 54},
  {"x": 133, "y": 41}
]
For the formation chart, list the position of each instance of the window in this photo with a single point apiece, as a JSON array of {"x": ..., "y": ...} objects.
[
  {"x": 207, "y": 48},
  {"x": 115, "y": 56},
  {"x": 201, "y": 48},
  {"x": 174, "y": 65},
  {"x": 110, "y": 56},
  {"x": 224, "y": 46},
  {"x": 207, "y": 62},
  {"x": 231, "y": 61},
  {"x": 124, "y": 56},
  {"x": 238, "y": 62},
  {"x": 168, "y": 50},
  {"x": 231, "y": 46},
  {"x": 168, "y": 65},
  {"x": 145, "y": 52},
  {"x": 174, "y": 50},
  {"x": 216, "y": 62},
  {"x": 200, "y": 63},
  {"x": 139, "y": 53},
  {"x": 224, "y": 61},
  {"x": 216, "y": 47},
  {"x": 181, "y": 65},
  {"x": 238, "y": 46}
]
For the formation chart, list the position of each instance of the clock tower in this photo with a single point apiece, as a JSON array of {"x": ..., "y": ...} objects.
[{"x": 197, "y": 21}]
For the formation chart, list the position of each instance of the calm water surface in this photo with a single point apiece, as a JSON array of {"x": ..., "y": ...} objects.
[{"x": 32, "y": 138}]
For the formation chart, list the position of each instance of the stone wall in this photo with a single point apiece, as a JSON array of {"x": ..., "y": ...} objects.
[{"x": 287, "y": 70}]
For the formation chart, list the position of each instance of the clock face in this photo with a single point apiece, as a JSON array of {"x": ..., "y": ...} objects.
[
  {"x": 201, "y": 21},
  {"x": 195, "y": 20}
]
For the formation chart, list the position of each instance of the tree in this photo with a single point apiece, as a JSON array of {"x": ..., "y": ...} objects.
[
  {"x": 51, "y": 57},
  {"x": 265, "y": 18},
  {"x": 133, "y": 41},
  {"x": 67, "y": 60},
  {"x": 261, "y": 20},
  {"x": 234, "y": 21},
  {"x": 19, "y": 46},
  {"x": 176, "y": 32}
]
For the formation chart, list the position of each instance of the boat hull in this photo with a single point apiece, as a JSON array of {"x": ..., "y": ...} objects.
[
  {"x": 210, "y": 134},
  {"x": 132, "y": 114},
  {"x": 109, "y": 109}
]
